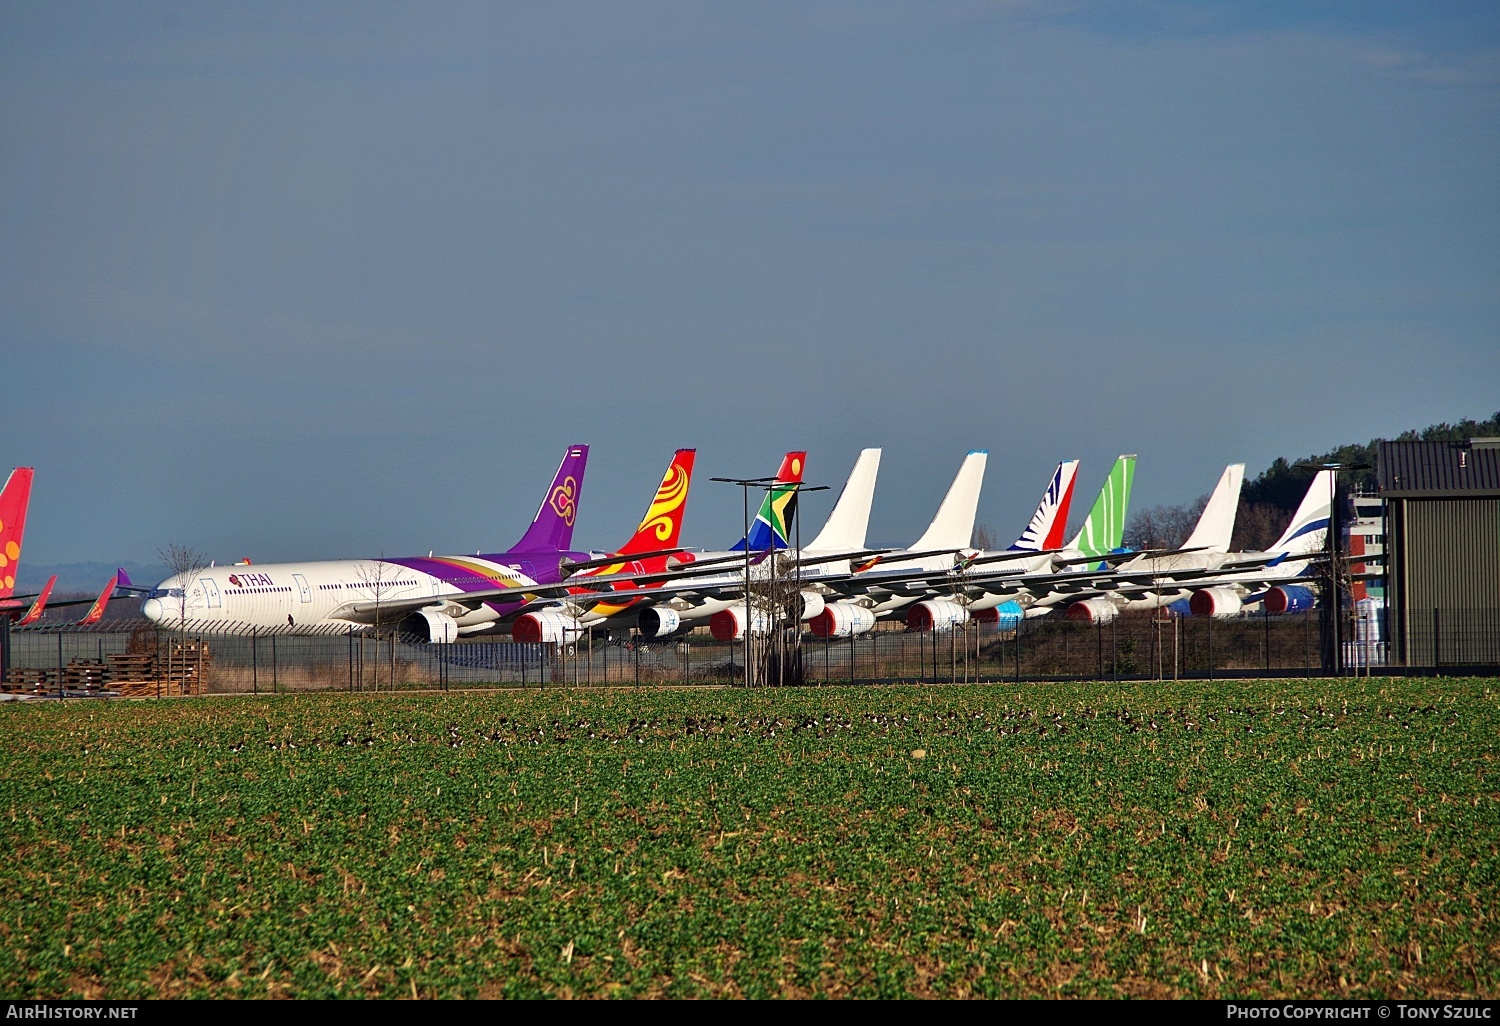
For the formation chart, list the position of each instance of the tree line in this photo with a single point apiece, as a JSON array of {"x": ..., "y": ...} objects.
[{"x": 1268, "y": 501}]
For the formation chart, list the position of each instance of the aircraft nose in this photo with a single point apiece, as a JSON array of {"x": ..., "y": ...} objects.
[{"x": 152, "y": 609}]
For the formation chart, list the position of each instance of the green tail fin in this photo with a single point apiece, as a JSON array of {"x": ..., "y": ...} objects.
[{"x": 1104, "y": 529}]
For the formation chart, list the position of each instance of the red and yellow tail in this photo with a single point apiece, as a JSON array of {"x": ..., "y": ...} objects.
[
  {"x": 662, "y": 525},
  {"x": 13, "y": 501}
]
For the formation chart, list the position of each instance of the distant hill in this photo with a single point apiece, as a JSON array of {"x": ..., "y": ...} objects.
[{"x": 74, "y": 580}]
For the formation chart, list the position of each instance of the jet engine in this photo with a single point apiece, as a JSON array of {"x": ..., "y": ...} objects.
[
  {"x": 809, "y": 604},
  {"x": 1290, "y": 598},
  {"x": 842, "y": 620},
  {"x": 547, "y": 626},
  {"x": 729, "y": 624},
  {"x": 431, "y": 626},
  {"x": 1094, "y": 610},
  {"x": 658, "y": 622},
  {"x": 1216, "y": 602},
  {"x": 936, "y": 615},
  {"x": 1008, "y": 615}
]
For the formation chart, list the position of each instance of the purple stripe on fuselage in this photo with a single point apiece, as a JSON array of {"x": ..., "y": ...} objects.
[{"x": 470, "y": 573}]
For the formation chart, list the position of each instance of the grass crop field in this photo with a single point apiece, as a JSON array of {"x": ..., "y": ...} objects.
[{"x": 1202, "y": 839}]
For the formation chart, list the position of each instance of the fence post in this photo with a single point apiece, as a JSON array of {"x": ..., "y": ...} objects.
[
  {"x": 254, "y": 661},
  {"x": 1437, "y": 642}
]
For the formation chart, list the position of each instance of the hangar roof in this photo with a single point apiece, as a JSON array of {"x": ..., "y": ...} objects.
[{"x": 1435, "y": 469}]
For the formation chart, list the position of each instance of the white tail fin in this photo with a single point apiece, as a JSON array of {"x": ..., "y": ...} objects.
[
  {"x": 953, "y": 527},
  {"x": 1216, "y": 525},
  {"x": 846, "y": 526},
  {"x": 1307, "y": 533},
  {"x": 1045, "y": 531}
]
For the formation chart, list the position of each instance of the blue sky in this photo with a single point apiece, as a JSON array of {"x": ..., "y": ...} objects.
[{"x": 304, "y": 281}]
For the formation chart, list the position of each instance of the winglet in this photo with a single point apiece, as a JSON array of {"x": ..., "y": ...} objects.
[
  {"x": 96, "y": 611},
  {"x": 35, "y": 612}
]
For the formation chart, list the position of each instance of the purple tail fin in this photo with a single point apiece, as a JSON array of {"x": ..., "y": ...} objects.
[{"x": 553, "y": 527}]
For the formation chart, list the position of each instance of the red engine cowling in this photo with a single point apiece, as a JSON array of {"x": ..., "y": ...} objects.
[
  {"x": 842, "y": 620},
  {"x": 729, "y": 624},
  {"x": 1094, "y": 610},
  {"x": 546, "y": 626},
  {"x": 936, "y": 615},
  {"x": 1216, "y": 602}
]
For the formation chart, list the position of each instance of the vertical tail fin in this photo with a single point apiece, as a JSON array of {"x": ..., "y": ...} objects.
[
  {"x": 850, "y": 520},
  {"x": 1307, "y": 533},
  {"x": 772, "y": 523},
  {"x": 14, "y": 499},
  {"x": 1216, "y": 524},
  {"x": 1104, "y": 528},
  {"x": 1051, "y": 517},
  {"x": 953, "y": 527},
  {"x": 552, "y": 529},
  {"x": 661, "y": 527}
]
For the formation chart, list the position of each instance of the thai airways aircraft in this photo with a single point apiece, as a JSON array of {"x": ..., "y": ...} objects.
[
  {"x": 440, "y": 598},
  {"x": 647, "y": 551}
]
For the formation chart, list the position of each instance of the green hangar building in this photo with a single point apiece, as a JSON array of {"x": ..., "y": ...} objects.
[{"x": 1442, "y": 546}]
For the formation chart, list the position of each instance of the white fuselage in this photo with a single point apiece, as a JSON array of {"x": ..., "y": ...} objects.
[{"x": 329, "y": 596}]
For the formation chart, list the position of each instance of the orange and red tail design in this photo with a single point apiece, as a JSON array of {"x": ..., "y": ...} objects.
[
  {"x": 13, "y": 501},
  {"x": 35, "y": 612},
  {"x": 96, "y": 611},
  {"x": 661, "y": 527}
]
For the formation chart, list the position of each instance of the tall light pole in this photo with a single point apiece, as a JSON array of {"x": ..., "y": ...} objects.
[{"x": 745, "y": 484}]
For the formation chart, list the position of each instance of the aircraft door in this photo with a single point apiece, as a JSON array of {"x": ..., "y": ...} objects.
[
  {"x": 302, "y": 589},
  {"x": 211, "y": 592}
]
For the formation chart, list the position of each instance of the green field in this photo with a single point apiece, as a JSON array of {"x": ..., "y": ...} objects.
[{"x": 1203, "y": 839}]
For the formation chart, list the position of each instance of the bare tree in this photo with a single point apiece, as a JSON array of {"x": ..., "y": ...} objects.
[
  {"x": 984, "y": 538},
  {"x": 1163, "y": 527},
  {"x": 184, "y": 563}
]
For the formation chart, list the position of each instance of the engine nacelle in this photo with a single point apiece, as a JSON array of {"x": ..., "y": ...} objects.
[
  {"x": 432, "y": 626},
  {"x": 658, "y": 622},
  {"x": 546, "y": 626},
  {"x": 1094, "y": 610},
  {"x": 936, "y": 615},
  {"x": 1008, "y": 615},
  {"x": 842, "y": 620},
  {"x": 1290, "y": 598},
  {"x": 1216, "y": 602},
  {"x": 809, "y": 604},
  {"x": 729, "y": 624}
]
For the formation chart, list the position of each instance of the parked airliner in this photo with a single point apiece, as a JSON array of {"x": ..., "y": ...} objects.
[{"x": 439, "y": 597}]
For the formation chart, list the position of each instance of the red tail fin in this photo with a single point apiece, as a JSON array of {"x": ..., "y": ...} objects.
[
  {"x": 96, "y": 611},
  {"x": 35, "y": 612},
  {"x": 662, "y": 525},
  {"x": 13, "y": 501}
]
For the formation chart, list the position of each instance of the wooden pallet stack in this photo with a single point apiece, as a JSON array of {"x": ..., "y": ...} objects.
[
  {"x": 182, "y": 670},
  {"x": 133, "y": 673},
  {"x": 30, "y": 680}
]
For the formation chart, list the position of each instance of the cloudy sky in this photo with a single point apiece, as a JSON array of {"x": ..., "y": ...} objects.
[{"x": 306, "y": 281}]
